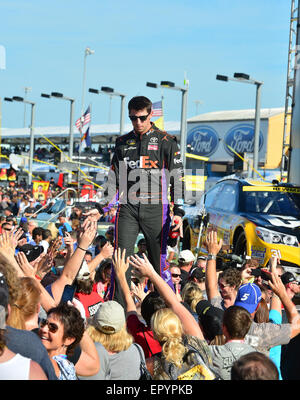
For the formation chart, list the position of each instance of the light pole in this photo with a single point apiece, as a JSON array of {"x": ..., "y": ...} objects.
[
  {"x": 58, "y": 95},
  {"x": 244, "y": 78},
  {"x": 87, "y": 52},
  {"x": 111, "y": 92},
  {"x": 26, "y": 90},
  {"x": 31, "y": 146},
  {"x": 183, "y": 127}
]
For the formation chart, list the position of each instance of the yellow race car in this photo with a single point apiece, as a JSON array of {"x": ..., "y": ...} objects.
[{"x": 253, "y": 218}]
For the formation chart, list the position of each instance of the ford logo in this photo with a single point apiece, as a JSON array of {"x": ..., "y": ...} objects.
[
  {"x": 241, "y": 139},
  {"x": 203, "y": 140}
]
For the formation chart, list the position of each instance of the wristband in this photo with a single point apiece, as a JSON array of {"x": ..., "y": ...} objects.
[
  {"x": 38, "y": 277},
  {"x": 211, "y": 257},
  {"x": 78, "y": 247}
]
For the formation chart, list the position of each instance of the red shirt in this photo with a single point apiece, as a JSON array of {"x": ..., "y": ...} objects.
[
  {"x": 90, "y": 302},
  {"x": 143, "y": 336}
]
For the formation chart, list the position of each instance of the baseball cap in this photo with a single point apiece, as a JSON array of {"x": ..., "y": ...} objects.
[
  {"x": 31, "y": 252},
  {"x": 197, "y": 273},
  {"x": 210, "y": 318},
  {"x": 288, "y": 277},
  {"x": 23, "y": 219},
  {"x": 248, "y": 297},
  {"x": 186, "y": 256},
  {"x": 84, "y": 272},
  {"x": 4, "y": 295},
  {"x": 109, "y": 318}
]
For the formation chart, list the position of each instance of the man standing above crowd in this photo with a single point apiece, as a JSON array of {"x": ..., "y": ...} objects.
[{"x": 145, "y": 163}]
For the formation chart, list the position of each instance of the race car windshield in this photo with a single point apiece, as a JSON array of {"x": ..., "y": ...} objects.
[{"x": 276, "y": 203}]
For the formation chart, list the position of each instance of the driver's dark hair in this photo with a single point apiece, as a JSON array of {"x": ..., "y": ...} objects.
[{"x": 139, "y": 103}]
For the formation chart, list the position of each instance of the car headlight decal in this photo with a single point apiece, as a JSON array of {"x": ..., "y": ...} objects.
[{"x": 274, "y": 237}]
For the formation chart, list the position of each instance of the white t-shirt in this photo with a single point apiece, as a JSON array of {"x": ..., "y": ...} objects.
[{"x": 17, "y": 368}]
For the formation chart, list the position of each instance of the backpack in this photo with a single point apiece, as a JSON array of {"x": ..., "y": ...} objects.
[{"x": 193, "y": 367}]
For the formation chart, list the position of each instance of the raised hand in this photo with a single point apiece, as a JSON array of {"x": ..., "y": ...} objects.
[
  {"x": 138, "y": 291},
  {"x": 120, "y": 266},
  {"x": 68, "y": 239},
  {"x": 92, "y": 215},
  {"x": 89, "y": 231},
  {"x": 28, "y": 269},
  {"x": 212, "y": 244},
  {"x": 107, "y": 250},
  {"x": 142, "y": 265}
]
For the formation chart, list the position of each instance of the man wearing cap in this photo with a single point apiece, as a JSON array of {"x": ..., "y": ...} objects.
[
  {"x": 290, "y": 354},
  {"x": 197, "y": 275},
  {"x": 90, "y": 299},
  {"x": 201, "y": 262},
  {"x": 263, "y": 336},
  {"x": 291, "y": 284},
  {"x": 185, "y": 261}
]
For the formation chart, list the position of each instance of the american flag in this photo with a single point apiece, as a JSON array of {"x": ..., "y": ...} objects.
[
  {"x": 157, "y": 109},
  {"x": 85, "y": 119}
]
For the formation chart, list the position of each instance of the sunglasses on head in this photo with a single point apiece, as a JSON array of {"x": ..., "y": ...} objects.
[
  {"x": 176, "y": 275},
  {"x": 141, "y": 117},
  {"x": 53, "y": 328}
]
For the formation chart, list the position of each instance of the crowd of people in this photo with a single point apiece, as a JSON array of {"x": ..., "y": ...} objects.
[{"x": 58, "y": 323}]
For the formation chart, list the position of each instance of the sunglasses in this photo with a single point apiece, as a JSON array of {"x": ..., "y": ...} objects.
[
  {"x": 141, "y": 117},
  {"x": 53, "y": 328},
  {"x": 176, "y": 275}
]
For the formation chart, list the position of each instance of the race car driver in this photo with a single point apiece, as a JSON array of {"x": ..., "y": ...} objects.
[{"x": 147, "y": 170}]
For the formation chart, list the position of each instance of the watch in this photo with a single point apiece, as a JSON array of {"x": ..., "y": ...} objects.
[{"x": 211, "y": 257}]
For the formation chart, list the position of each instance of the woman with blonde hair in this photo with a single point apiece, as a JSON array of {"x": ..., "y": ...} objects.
[
  {"x": 168, "y": 330},
  {"x": 114, "y": 343},
  {"x": 185, "y": 353},
  {"x": 191, "y": 295},
  {"x": 25, "y": 309}
]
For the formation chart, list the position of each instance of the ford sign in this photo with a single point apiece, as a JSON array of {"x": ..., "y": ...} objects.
[
  {"x": 203, "y": 140},
  {"x": 241, "y": 139}
]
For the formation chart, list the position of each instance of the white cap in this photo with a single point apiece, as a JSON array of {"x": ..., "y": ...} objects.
[
  {"x": 186, "y": 256},
  {"x": 84, "y": 272}
]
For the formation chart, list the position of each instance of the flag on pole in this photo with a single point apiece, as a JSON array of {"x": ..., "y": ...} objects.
[
  {"x": 84, "y": 119},
  {"x": 157, "y": 109},
  {"x": 85, "y": 140}
]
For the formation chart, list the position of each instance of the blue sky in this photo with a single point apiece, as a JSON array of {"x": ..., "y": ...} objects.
[{"x": 138, "y": 41}]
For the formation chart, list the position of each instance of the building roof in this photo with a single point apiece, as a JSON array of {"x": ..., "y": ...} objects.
[
  {"x": 97, "y": 132},
  {"x": 236, "y": 115}
]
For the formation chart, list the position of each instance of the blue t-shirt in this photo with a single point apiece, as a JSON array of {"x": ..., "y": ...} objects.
[{"x": 275, "y": 352}]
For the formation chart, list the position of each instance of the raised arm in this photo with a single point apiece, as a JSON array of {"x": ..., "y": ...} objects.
[
  {"x": 120, "y": 267},
  {"x": 211, "y": 279},
  {"x": 291, "y": 311},
  {"x": 73, "y": 265},
  {"x": 189, "y": 323},
  {"x": 106, "y": 252},
  {"x": 275, "y": 304},
  {"x": 8, "y": 243},
  {"x": 28, "y": 270}
]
